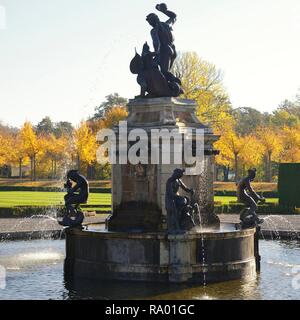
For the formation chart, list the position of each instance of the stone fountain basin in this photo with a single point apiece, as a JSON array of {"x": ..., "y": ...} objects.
[{"x": 202, "y": 256}]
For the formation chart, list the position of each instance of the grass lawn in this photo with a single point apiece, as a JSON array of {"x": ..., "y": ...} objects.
[
  {"x": 229, "y": 186},
  {"x": 32, "y": 198},
  {"x": 226, "y": 200},
  {"x": 48, "y": 183},
  {"x": 257, "y": 186},
  {"x": 36, "y": 198}
]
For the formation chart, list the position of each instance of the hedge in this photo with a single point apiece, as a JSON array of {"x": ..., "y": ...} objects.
[
  {"x": 221, "y": 193},
  {"x": 27, "y": 211},
  {"x": 269, "y": 208}
]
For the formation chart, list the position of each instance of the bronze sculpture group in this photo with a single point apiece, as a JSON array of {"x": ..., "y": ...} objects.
[
  {"x": 153, "y": 69},
  {"x": 183, "y": 214}
]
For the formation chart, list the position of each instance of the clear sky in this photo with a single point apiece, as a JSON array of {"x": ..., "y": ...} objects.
[{"x": 62, "y": 57}]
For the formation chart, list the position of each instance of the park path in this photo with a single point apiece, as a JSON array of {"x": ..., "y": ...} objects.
[
  {"x": 280, "y": 222},
  {"x": 283, "y": 226},
  {"x": 35, "y": 224}
]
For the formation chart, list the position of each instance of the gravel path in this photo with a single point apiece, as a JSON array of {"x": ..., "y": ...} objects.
[
  {"x": 279, "y": 222},
  {"x": 19, "y": 228},
  {"x": 36, "y": 224}
]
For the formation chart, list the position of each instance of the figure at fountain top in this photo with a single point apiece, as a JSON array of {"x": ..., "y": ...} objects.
[
  {"x": 153, "y": 68},
  {"x": 162, "y": 37},
  {"x": 249, "y": 197}
]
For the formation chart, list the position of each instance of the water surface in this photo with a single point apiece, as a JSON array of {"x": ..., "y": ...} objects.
[{"x": 34, "y": 270}]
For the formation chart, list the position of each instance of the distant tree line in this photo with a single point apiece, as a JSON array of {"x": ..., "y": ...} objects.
[
  {"x": 248, "y": 137},
  {"x": 51, "y": 148}
]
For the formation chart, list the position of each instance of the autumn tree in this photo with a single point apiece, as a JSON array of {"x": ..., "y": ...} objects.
[
  {"x": 45, "y": 127},
  {"x": 231, "y": 146},
  {"x": 252, "y": 153},
  {"x": 113, "y": 117},
  {"x": 290, "y": 151},
  {"x": 17, "y": 154},
  {"x": 32, "y": 146},
  {"x": 85, "y": 145},
  {"x": 248, "y": 120},
  {"x": 56, "y": 150},
  {"x": 272, "y": 145},
  {"x": 202, "y": 81},
  {"x": 3, "y": 149},
  {"x": 63, "y": 128},
  {"x": 112, "y": 100}
]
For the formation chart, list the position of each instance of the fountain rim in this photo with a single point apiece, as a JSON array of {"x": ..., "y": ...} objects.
[{"x": 164, "y": 234}]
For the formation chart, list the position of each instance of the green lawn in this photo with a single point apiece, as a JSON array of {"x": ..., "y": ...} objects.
[
  {"x": 226, "y": 200},
  {"x": 36, "y": 198}
]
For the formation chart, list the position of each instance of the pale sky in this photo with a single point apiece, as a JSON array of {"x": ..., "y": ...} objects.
[{"x": 62, "y": 57}]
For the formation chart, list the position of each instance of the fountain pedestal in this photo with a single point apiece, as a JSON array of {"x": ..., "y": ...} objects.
[{"x": 139, "y": 190}]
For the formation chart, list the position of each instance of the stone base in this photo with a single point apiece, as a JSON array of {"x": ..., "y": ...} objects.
[
  {"x": 135, "y": 216},
  {"x": 191, "y": 257}
]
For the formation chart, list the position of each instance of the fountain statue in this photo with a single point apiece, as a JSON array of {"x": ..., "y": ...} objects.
[
  {"x": 249, "y": 197},
  {"x": 73, "y": 199},
  {"x": 179, "y": 211},
  {"x": 162, "y": 226},
  {"x": 153, "y": 68}
]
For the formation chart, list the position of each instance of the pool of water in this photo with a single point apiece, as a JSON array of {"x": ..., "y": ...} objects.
[{"x": 34, "y": 270}]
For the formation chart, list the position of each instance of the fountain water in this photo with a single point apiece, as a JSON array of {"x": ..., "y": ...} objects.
[
  {"x": 289, "y": 230},
  {"x": 203, "y": 248}
]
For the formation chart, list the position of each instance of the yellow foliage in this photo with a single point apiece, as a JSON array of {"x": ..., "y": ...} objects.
[
  {"x": 3, "y": 149},
  {"x": 29, "y": 139},
  {"x": 17, "y": 153},
  {"x": 113, "y": 116},
  {"x": 85, "y": 143},
  {"x": 252, "y": 153},
  {"x": 201, "y": 81},
  {"x": 291, "y": 147},
  {"x": 56, "y": 148},
  {"x": 271, "y": 142}
]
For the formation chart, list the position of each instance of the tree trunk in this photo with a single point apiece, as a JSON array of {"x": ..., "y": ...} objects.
[
  {"x": 55, "y": 168},
  {"x": 225, "y": 173},
  {"x": 20, "y": 168},
  {"x": 244, "y": 170},
  {"x": 34, "y": 168},
  {"x": 269, "y": 167},
  {"x": 31, "y": 168},
  {"x": 52, "y": 169},
  {"x": 236, "y": 169},
  {"x": 78, "y": 162},
  {"x": 216, "y": 171},
  {"x": 91, "y": 171}
]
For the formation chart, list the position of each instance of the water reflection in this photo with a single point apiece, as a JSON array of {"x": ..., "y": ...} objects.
[{"x": 106, "y": 290}]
